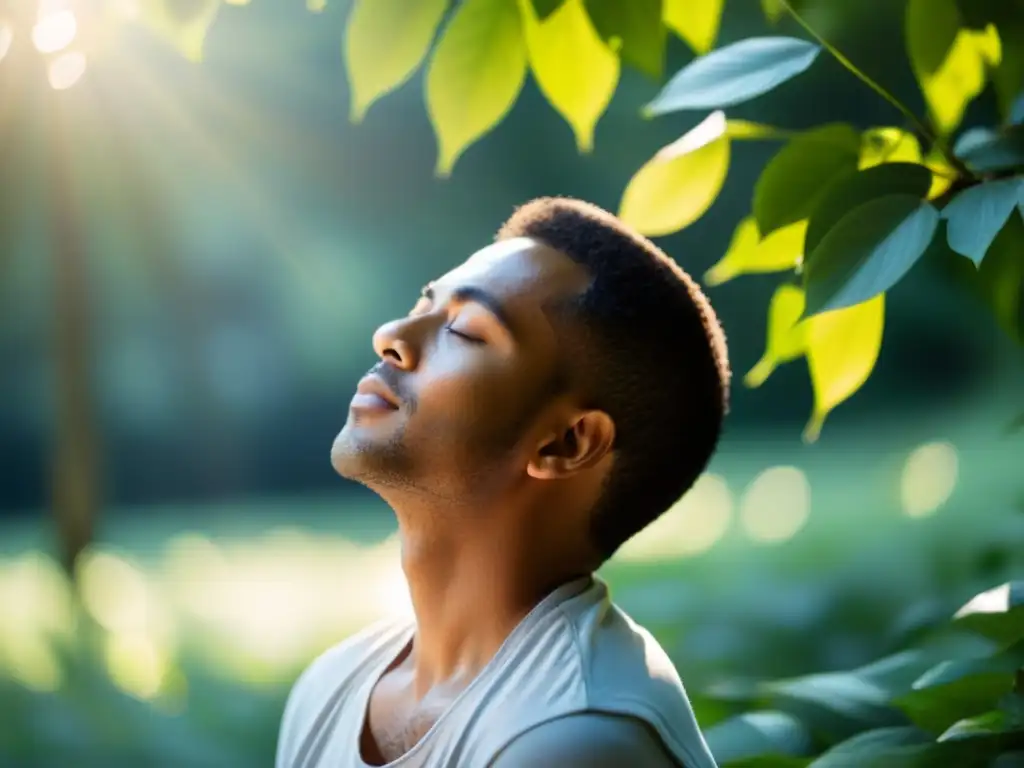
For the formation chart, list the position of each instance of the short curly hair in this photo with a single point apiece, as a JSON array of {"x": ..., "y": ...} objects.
[{"x": 655, "y": 360}]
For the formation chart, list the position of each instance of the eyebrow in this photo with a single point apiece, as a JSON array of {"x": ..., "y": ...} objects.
[{"x": 472, "y": 294}]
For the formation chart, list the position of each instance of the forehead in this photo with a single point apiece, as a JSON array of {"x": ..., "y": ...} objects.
[{"x": 520, "y": 271}]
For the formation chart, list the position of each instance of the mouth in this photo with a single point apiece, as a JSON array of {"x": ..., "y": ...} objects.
[{"x": 372, "y": 394}]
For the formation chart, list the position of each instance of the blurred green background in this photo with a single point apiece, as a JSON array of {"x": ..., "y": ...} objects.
[{"x": 241, "y": 240}]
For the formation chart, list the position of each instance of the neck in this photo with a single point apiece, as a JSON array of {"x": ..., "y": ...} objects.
[{"x": 471, "y": 581}]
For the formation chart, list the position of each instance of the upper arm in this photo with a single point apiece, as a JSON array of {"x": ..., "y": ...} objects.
[{"x": 591, "y": 739}]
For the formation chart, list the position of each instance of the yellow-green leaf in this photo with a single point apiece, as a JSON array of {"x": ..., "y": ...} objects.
[
  {"x": 696, "y": 21},
  {"x": 574, "y": 68},
  {"x": 786, "y": 334},
  {"x": 749, "y": 254},
  {"x": 474, "y": 76},
  {"x": 842, "y": 349},
  {"x": 773, "y": 10},
  {"x": 949, "y": 62},
  {"x": 888, "y": 145},
  {"x": 635, "y": 29},
  {"x": 315, "y": 6},
  {"x": 676, "y": 186},
  {"x": 182, "y": 24},
  {"x": 385, "y": 41}
]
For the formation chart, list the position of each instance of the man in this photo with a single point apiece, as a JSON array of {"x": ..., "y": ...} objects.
[{"x": 539, "y": 405}]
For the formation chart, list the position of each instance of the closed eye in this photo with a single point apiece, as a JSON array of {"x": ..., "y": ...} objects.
[{"x": 463, "y": 336}]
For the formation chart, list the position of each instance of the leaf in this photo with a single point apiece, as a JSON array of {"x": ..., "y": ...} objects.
[
  {"x": 316, "y": 6},
  {"x": 475, "y": 74},
  {"x": 988, "y": 151},
  {"x": 734, "y": 74},
  {"x": 1001, "y": 278},
  {"x": 1016, "y": 116},
  {"x": 997, "y": 614},
  {"x": 573, "y": 67},
  {"x": 757, "y": 734},
  {"x": 954, "y": 690},
  {"x": 931, "y": 28},
  {"x": 634, "y": 28},
  {"x": 854, "y": 189},
  {"x": 744, "y": 129},
  {"x": 842, "y": 349},
  {"x": 868, "y": 251},
  {"x": 385, "y": 41},
  {"x": 888, "y": 145},
  {"x": 991, "y": 723},
  {"x": 544, "y": 8},
  {"x": 786, "y": 335},
  {"x": 696, "y": 21},
  {"x": 975, "y": 216},
  {"x": 892, "y": 747},
  {"x": 748, "y": 254},
  {"x": 773, "y": 10},
  {"x": 182, "y": 23},
  {"x": 676, "y": 186},
  {"x": 949, "y": 62},
  {"x": 836, "y": 703},
  {"x": 792, "y": 181}
]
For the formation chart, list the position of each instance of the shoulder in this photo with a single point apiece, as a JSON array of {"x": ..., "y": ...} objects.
[
  {"x": 592, "y": 739},
  {"x": 324, "y": 676}
]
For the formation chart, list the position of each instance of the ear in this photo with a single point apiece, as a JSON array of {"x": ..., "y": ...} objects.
[{"x": 578, "y": 446}]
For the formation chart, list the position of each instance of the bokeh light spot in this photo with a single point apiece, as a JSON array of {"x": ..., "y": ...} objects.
[
  {"x": 929, "y": 478},
  {"x": 66, "y": 70},
  {"x": 776, "y": 505},
  {"x": 691, "y": 526},
  {"x": 54, "y": 31}
]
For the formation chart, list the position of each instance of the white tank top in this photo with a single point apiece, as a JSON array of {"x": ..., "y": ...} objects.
[{"x": 574, "y": 652}]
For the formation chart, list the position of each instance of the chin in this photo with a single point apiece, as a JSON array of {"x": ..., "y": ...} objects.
[{"x": 361, "y": 455}]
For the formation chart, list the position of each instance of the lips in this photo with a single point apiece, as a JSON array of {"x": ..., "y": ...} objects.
[{"x": 374, "y": 394}]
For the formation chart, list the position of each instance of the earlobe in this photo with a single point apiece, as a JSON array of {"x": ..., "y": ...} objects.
[{"x": 581, "y": 446}]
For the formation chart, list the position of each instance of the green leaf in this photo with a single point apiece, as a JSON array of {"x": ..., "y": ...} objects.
[
  {"x": 949, "y": 62},
  {"x": 988, "y": 151},
  {"x": 385, "y": 41},
  {"x": 635, "y": 28},
  {"x": 793, "y": 181},
  {"x": 888, "y": 145},
  {"x": 842, "y": 349},
  {"x": 992, "y": 723},
  {"x": 1001, "y": 278},
  {"x": 182, "y": 23},
  {"x": 676, "y": 186},
  {"x": 954, "y": 690},
  {"x": 748, "y": 254},
  {"x": 931, "y": 28},
  {"x": 757, "y": 734},
  {"x": 573, "y": 67},
  {"x": 854, "y": 189},
  {"x": 975, "y": 216},
  {"x": 474, "y": 76},
  {"x": 696, "y": 21},
  {"x": 868, "y": 251},
  {"x": 544, "y": 8},
  {"x": 316, "y": 6},
  {"x": 997, "y": 614},
  {"x": 734, "y": 74},
  {"x": 787, "y": 338},
  {"x": 836, "y": 703},
  {"x": 773, "y": 10},
  {"x": 892, "y": 747}
]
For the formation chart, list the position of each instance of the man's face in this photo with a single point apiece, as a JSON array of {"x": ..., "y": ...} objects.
[{"x": 452, "y": 407}]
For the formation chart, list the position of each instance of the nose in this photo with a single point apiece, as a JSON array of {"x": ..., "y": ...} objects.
[{"x": 392, "y": 345}]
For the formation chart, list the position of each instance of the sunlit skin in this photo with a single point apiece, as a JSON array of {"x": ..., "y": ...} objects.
[{"x": 490, "y": 468}]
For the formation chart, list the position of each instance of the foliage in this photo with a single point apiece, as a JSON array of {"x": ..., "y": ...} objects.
[
  {"x": 955, "y": 697},
  {"x": 827, "y": 208}
]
